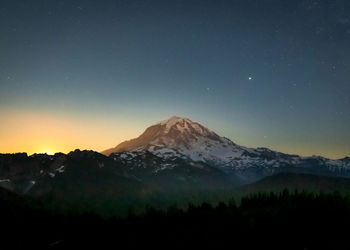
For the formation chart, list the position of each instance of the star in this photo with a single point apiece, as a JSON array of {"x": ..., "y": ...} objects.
[{"x": 250, "y": 78}]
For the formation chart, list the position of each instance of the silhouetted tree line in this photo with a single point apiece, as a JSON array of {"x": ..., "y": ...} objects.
[{"x": 297, "y": 220}]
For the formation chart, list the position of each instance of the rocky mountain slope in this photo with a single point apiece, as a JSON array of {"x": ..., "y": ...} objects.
[{"x": 181, "y": 138}]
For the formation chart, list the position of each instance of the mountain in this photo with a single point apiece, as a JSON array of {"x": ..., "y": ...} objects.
[
  {"x": 40, "y": 174},
  {"x": 181, "y": 138},
  {"x": 111, "y": 185}
]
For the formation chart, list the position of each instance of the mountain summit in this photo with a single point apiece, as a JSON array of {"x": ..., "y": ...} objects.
[{"x": 183, "y": 138}]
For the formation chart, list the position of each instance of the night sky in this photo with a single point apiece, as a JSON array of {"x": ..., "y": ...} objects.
[{"x": 90, "y": 74}]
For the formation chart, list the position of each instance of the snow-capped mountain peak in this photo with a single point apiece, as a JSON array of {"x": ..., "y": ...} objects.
[
  {"x": 183, "y": 125},
  {"x": 183, "y": 138},
  {"x": 173, "y": 120}
]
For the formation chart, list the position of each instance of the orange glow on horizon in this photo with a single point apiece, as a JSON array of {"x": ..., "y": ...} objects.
[
  {"x": 52, "y": 133},
  {"x": 46, "y": 133}
]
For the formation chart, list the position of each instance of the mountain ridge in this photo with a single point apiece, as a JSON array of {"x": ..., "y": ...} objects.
[
  {"x": 162, "y": 129},
  {"x": 174, "y": 156},
  {"x": 179, "y": 137}
]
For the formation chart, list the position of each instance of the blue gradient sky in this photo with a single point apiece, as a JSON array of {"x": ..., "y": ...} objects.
[{"x": 263, "y": 73}]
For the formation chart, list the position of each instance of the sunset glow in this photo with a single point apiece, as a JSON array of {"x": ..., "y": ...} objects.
[
  {"x": 46, "y": 133},
  {"x": 51, "y": 133}
]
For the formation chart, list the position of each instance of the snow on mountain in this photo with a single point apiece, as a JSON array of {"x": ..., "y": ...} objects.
[
  {"x": 183, "y": 138},
  {"x": 179, "y": 137}
]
